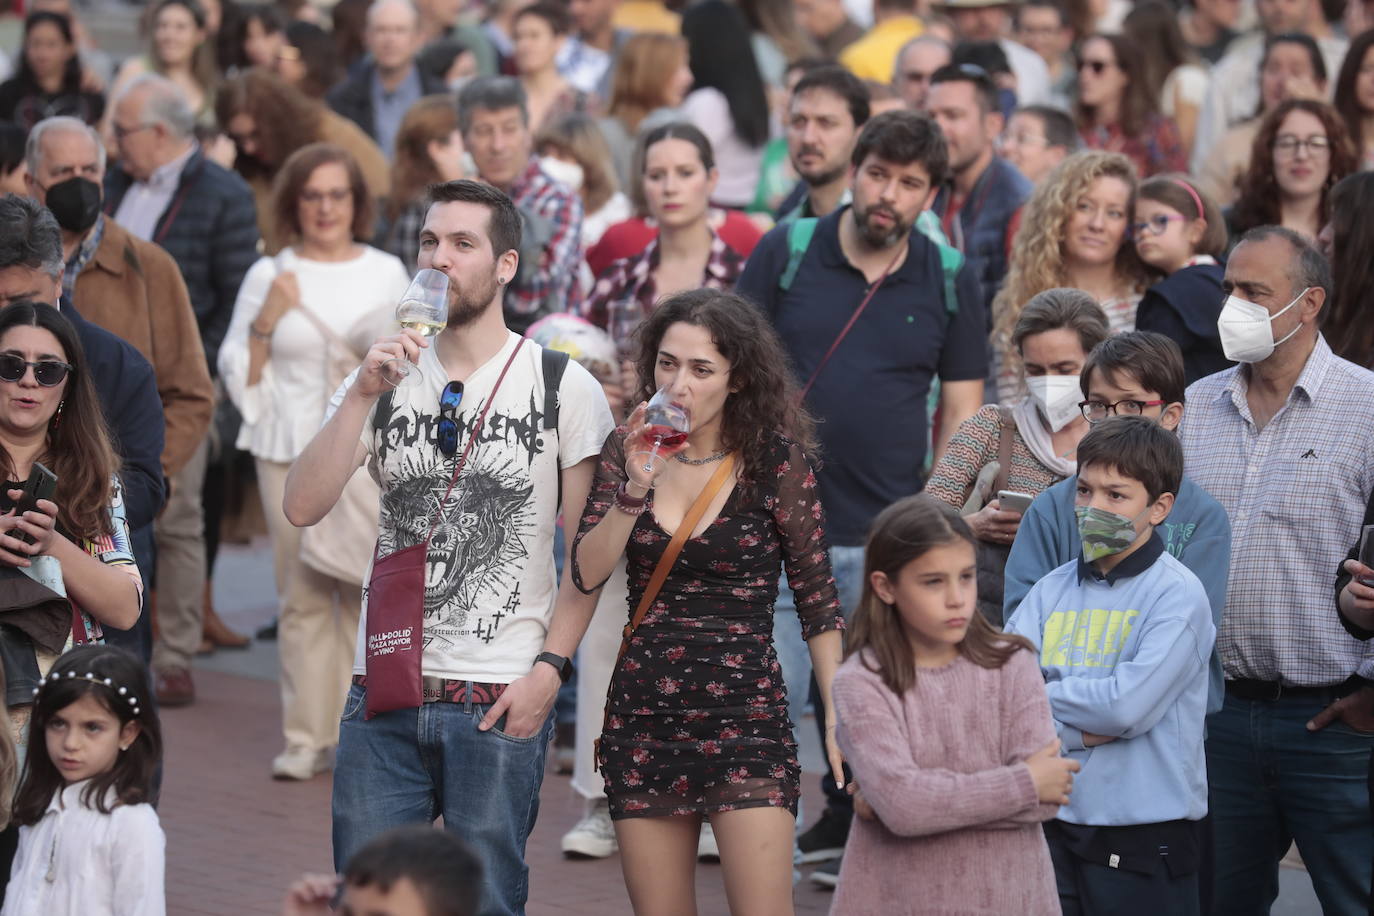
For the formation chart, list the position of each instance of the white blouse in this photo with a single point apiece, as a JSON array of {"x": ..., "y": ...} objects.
[
  {"x": 283, "y": 411},
  {"x": 737, "y": 161},
  {"x": 77, "y": 860}
]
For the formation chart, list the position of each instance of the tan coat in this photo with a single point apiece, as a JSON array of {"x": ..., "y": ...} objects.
[
  {"x": 133, "y": 289},
  {"x": 336, "y": 129}
]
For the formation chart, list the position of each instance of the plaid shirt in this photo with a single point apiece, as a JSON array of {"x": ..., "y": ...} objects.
[
  {"x": 552, "y": 285},
  {"x": 403, "y": 235},
  {"x": 1158, "y": 149},
  {"x": 82, "y": 256},
  {"x": 1296, "y": 493},
  {"x": 626, "y": 291}
]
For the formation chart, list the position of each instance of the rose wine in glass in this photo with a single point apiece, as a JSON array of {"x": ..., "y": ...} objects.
[
  {"x": 423, "y": 308},
  {"x": 668, "y": 425}
]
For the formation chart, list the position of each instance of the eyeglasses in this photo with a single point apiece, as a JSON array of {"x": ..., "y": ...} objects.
[
  {"x": 47, "y": 372},
  {"x": 336, "y": 196},
  {"x": 1099, "y": 410},
  {"x": 1020, "y": 139},
  {"x": 1155, "y": 225},
  {"x": 1098, "y": 67},
  {"x": 448, "y": 413},
  {"x": 1288, "y": 145}
]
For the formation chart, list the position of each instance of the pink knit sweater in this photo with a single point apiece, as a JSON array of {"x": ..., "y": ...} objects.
[{"x": 942, "y": 767}]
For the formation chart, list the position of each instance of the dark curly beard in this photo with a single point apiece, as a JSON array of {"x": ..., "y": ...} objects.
[{"x": 467, "y": 305}]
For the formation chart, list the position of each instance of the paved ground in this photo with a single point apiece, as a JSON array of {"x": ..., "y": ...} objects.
[{"x": 236, "y": 838}]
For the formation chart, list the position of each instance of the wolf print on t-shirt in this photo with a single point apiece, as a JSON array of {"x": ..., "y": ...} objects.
[{"x": 480, "y": 546}]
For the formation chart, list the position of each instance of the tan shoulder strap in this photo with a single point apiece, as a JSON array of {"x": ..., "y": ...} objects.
[
  {"x": 684, "y": 531},
  {"x": 660, "y": 574}
]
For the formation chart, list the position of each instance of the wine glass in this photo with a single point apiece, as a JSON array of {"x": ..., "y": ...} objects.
[
  {"x": 668, "y": 426},
  {"x": 423, "y": 308}
]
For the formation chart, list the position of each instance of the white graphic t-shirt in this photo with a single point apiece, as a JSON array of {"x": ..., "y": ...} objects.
[{"x": 489, "y": 580}]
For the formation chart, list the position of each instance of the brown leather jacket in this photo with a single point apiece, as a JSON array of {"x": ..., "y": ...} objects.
[{"x": 134, "y": 289}]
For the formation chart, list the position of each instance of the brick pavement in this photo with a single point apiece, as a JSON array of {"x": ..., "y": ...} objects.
[{"x": 236, "y": 838}]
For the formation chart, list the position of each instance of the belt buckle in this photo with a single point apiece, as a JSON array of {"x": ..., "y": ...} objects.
[
  {"x": 432, "y": 689},
  {"x": 1276, "y": 693}
]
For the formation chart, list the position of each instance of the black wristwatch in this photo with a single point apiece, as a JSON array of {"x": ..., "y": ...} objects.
[{"x": 563, "y": 666}]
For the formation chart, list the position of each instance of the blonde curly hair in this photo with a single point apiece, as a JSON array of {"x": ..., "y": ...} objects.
[{"x": 1037, "y": 256}]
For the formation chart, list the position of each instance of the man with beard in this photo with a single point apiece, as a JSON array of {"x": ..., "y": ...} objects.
[
  {"x": 978, "y": 207},
  {"x": 829, "y": 106},
  {"x": 489, "y": 426},
  {"x": 863, "y": 314}
]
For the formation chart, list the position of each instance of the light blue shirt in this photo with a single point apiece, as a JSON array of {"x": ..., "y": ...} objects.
[{"x": 388, "y": 108}]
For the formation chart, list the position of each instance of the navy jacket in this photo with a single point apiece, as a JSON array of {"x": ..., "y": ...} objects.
[
  {"x": 211, "y": 230},
  {"x": 353, "y": 97},
  {"x": 127, "y": 389},
  {"x": 1185, "y": 306},
  {"x": 983, "y": 220}
]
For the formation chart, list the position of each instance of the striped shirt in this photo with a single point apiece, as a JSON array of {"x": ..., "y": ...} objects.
[{"x": 1296, "y": 493}]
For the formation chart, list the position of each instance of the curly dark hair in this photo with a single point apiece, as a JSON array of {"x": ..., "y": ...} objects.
[
  {"x": 284, "y": 118},
  {"x": 1259, "y": 203},
  {"x": 1347, "y": 325},
  {"x": 764, "y": 401}
]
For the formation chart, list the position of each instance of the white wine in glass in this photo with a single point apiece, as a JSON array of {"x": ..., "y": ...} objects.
[{"x": 423, "y": 308}]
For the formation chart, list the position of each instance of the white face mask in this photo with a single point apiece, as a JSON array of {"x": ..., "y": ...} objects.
[
  {"x": 566, "y": 173},
  {"x": 1057, "y": 396},
  {"x": 1247, "y": 335}
]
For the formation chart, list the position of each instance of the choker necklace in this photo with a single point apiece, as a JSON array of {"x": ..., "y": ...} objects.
[{"x": 699, "y": 461}]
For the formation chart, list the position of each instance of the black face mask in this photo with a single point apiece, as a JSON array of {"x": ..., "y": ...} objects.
[{"x": 75, "y": 203}]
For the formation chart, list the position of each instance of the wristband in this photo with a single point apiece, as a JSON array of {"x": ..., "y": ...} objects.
[
  {"x": 630, "y": 505},
  {"x": 260, "y": 335}
]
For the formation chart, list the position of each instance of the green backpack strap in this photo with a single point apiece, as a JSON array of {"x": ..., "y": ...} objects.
[
  {"x": 951, "y": 262},
  {"x": 799, "y": 235}
]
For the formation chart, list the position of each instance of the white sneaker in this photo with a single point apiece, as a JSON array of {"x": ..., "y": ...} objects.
[
  {"x": 707, "y": 850},
  {"x": 301, "y": 763},
  {"x": 593, "y": 837}
]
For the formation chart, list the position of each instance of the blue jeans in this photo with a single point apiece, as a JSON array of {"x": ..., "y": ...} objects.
[
  {"x": 1272, "y": 782},
  {"x": 847, "y": 564},
  {"x": 412, "y": 765}
]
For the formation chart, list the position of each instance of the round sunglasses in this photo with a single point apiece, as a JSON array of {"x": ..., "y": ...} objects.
[{"x": 47, "y": 372}]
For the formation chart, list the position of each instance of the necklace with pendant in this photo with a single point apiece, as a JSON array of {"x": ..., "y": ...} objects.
[{"x": 700, "y": 461}]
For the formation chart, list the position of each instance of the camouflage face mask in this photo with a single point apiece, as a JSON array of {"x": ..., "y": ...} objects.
[{"x": 1103, "y": 533}]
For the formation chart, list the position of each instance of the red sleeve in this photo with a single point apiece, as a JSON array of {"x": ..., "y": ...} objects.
[
  {"x": 625, "y": 238},
  {"x": 740, "y": 233},
  {"x": 1013, "y": 226}
]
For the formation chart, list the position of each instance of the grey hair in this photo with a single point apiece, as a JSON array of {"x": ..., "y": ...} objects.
[
  {"x": 1062, "y": 307},
  {"x": 918, "y": 40},
  {"x": 378, "y": 4},
  {"x": 1310, "y": 269},
  {"x": 491, "y": 93},
  {"x": 29, "y": 236},
  {"x": 166, "y": 104},
  {"x": 33, "y": 155}
]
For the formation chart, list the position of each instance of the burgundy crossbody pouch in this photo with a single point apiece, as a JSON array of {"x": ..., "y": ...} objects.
[{"x": 396, "y": 604}]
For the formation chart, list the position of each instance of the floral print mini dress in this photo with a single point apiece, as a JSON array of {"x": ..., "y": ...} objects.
[{"x": 697, "y": 714}]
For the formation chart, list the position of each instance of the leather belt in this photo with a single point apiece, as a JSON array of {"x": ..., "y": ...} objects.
[
  {"x": 1272, "y": 691},
  {"x": 448, "y": 690}
]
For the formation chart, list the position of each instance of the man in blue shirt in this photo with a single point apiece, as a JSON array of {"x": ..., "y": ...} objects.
[
  {"x": 377, "y": 96},
  {"x": 864, "y": 313},
  {"x": 984, "y": 191}
]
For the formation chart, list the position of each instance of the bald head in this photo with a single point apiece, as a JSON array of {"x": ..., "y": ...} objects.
[{"x": 913, "y": 67}]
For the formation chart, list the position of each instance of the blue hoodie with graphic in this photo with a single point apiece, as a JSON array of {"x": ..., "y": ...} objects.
[
  {"x": 1125, "y": 655},
  {"x": 1197, "y": 532}
]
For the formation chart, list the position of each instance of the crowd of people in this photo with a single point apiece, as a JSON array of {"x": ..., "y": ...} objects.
[{"x": 1026, "y": 393}]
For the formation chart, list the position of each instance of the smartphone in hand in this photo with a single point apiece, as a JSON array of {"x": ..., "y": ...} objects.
[
  {"x": 1366, "y": 553},
  {"x": 42, "y": 484},
  {"x": 1011, "y": 501}
]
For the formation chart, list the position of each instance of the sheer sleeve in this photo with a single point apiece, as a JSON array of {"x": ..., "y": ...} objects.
[
  {"x": 806, "y": 555},
  {"x": 610, "y": 474}
]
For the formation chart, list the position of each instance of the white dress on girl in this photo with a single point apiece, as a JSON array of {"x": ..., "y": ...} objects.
[{"x": 79, "y": 862}]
